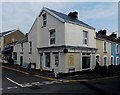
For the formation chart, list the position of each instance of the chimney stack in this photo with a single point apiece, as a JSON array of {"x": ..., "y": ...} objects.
[
  {"x": 73, "y": 15},
  {"x": 102, "y": 32},
  {"x": 113, "y": 35}
]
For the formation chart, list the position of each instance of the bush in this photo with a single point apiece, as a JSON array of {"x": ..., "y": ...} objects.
[
  {"x": 100, "y": 70},
  {"x": 103, "y": 70}
]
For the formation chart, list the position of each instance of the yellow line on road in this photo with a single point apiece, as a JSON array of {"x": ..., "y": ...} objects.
[
  {"x": 15, "y": 70},
  {"x": 58, "y": 79}
]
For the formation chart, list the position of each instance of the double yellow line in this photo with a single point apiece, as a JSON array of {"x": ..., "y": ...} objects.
[{"x": 56, "y": 79}]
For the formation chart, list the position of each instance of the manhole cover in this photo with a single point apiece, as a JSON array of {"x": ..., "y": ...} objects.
[{"x": 34, "y": 87}]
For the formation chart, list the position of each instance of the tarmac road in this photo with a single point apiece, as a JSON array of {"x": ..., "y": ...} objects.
[{"x": 17, "y": 82}]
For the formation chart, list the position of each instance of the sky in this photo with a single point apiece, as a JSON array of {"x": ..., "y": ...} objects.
[{"x": 21, "y": 15}]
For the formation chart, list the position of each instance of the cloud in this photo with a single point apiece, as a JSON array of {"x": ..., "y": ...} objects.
[
  {"x": 99, "y": 11},
  {"x": 22, "y": 15}
]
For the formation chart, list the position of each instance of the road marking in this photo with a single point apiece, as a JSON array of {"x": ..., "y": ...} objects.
[
  {"x": 53, "y": 81},
  {"x": 14, "y": 69},
  {"x": 9, "y": 87},
  {"x": 35, "y": 82},
  {"x": 80, "y": 80},
  {"x": 14, "y": 82},
  {"x": 27, "y": 85},
  {"x": 15, "y": 87},
  {"x": 45, "y": 82}
]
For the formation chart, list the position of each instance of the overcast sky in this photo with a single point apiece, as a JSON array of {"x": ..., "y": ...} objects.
[{"x": 101, "y": 15}]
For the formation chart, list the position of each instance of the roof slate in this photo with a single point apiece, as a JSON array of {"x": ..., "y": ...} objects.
[
  {"x": 70, "y": 19},
  {"x": 23, "y": 40},
  {"x": 105, "y": 37},
  {"x": 6, "y": 32}
]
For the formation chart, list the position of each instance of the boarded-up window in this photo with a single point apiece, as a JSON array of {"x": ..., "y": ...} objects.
[{"x": 71, "y": 60}]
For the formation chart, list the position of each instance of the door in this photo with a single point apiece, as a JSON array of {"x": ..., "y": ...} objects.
[
  {"x": 21, "y": 60},
  {"x": 86, "y": 61},
  {"x": 41, "y": 61}
]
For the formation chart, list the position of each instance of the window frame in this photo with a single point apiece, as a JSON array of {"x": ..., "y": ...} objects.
[
  {"x": 117, "y": 49},
  {"x": 21, "y": 47},
  {"x": 99, "y": 58},
  {"x": 104, "y": 50},
  {"x": 106, "y": 60},
  {"x": 85, "y": 38},
  {"x": 44, "y": 16},
  {"x": 117, "y": 61},
  {"x": 52, "y": 37},
  {"x": 30, "y": 47},
  {"x": 112, "y": 62}
]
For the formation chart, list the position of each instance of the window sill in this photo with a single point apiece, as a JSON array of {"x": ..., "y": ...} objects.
[
  {"x": 21, "y": 52},
  {"x": 105, "y": 52},
  {"x": 43, "y": 26},
  {"x": 51, "y": 44},
  {"x": 29, "y": 52},
  {"x": 85, "y": 45}
]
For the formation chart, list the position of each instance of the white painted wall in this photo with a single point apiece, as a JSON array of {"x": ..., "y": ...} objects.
[
  {"x": 74, "y": 35},
  {"x": 66, "y": 34},
  {"x": 40, "y": 36},
  {"x": 17, "y": 48},
  {"x": 25, "y": 52},
  {"x": 44, "y": 35}
]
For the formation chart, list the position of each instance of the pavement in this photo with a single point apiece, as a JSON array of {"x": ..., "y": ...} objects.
[{"x": 79, "y": 76}]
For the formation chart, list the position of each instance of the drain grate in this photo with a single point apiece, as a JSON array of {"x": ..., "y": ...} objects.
[{"x": 34, "y": 87}]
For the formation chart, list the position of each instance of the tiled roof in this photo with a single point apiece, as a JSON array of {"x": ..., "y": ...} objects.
[
  {"x": 70, "y": 19},
  {"x": 6, "y": 32},
  {"x": 23, "y": 40}
]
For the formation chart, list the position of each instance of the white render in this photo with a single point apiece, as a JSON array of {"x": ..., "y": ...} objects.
[{"x": 67, "y": 33}]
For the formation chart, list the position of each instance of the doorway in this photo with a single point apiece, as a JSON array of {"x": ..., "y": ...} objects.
[
  {"x": 85, "y": 61},
  {"x": 56, "y": 63},
  {"x": 21, "y": 60}
]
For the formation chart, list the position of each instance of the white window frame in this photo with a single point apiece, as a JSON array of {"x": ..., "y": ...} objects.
[
  {"x": 106, "y": 60},
  {"x": 113, "y": 60},
  {"x": 30, "y": 47},
  {"x": 21, "y": 47},
  {"x": 52, "y": 37},
  {"x": 99, "y": 57},
  {"x": 103, "y": 47},
  {"x": 117, "y": 62},
  {"x": 44, "y": 20},
  {"x": 117, "y": 48},
  {"x": 85, "y": 38}
]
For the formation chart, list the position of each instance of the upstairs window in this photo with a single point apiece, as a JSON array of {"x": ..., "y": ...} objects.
[
  {"x": 85, "y": 37},
  {"x": 44, "y": 19},
  {"x": 30, "y": 43},
  {"x": 22, "y": 46},
  {"x": 117, "y": 49},
  {"x": 105, "y": 47},
  {"x": 52, "y": 36}
]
